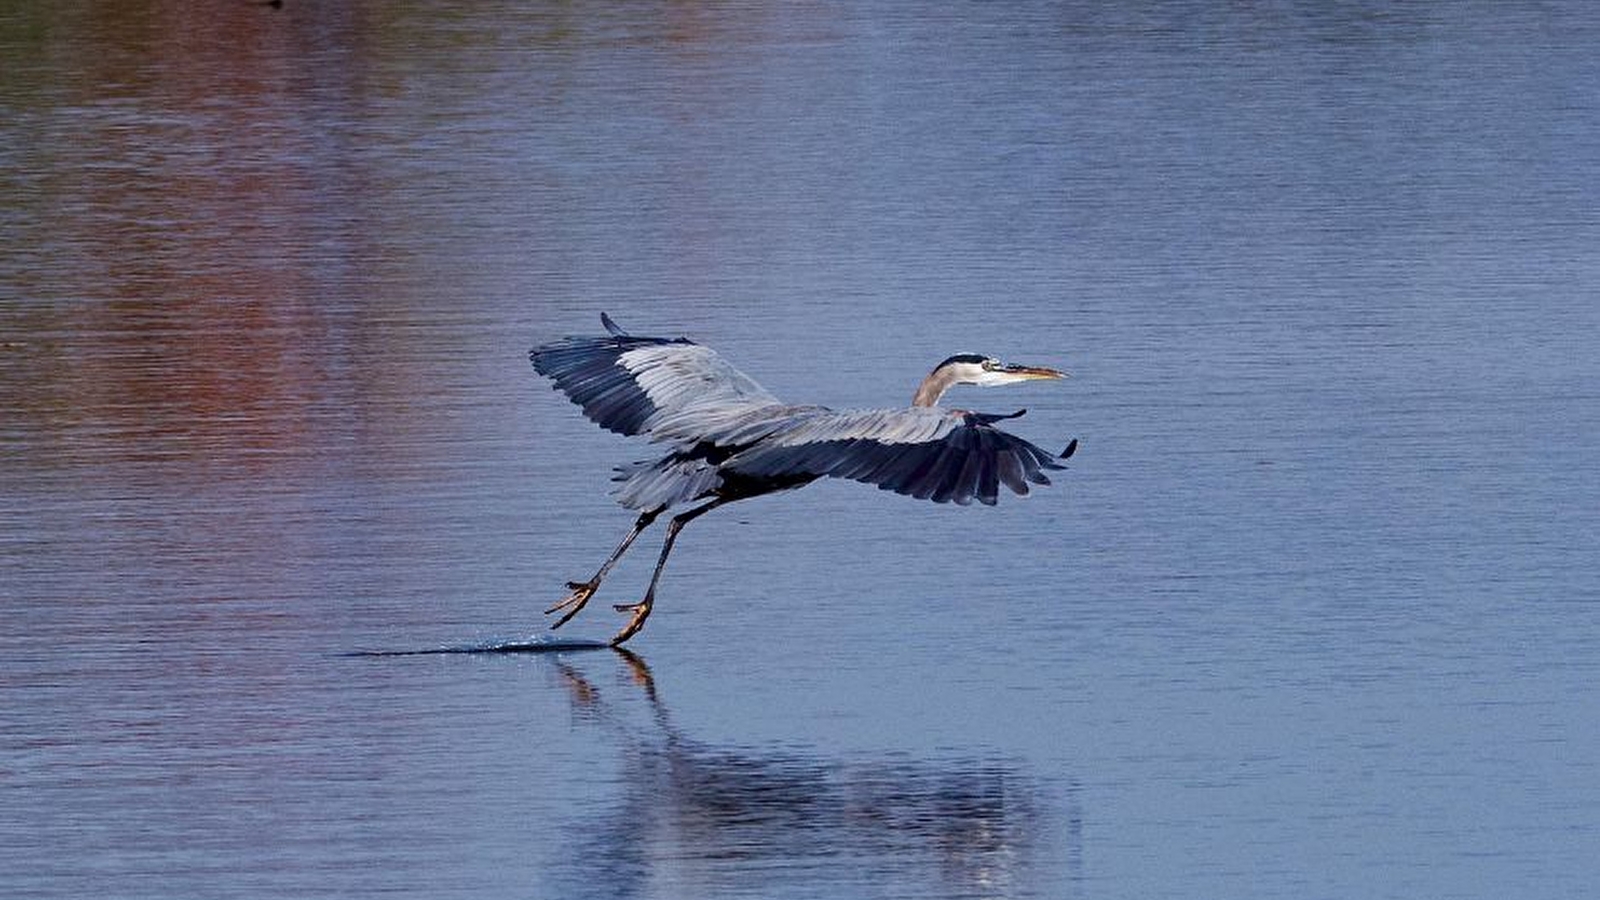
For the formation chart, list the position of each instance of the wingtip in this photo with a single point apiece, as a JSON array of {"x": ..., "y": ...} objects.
[
  {"x": 611, "y": 326},
  {"x": 977, "y": 418},
  {"x": 1071, "y": 449}
]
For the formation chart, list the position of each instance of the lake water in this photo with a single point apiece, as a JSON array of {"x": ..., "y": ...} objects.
[{"x": 1315, "y": 611}]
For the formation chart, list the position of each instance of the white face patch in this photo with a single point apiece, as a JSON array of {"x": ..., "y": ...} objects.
[
  {"x": 967, "y": 373},
  {"x": 972, "y": 373}
]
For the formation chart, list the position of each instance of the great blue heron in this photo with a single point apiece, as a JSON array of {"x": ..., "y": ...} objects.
[{"x": 731, "y": 440}]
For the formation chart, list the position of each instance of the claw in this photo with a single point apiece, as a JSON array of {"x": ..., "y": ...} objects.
[
  {"x": 581, "y": 592},
  {"x": 641, "y": 611}
]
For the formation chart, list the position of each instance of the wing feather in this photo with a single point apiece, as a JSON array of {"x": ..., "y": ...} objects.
[
  {"x": 965, "y": 487},
  {"x": 1041, "y": 460},
  {"x": 988, "y": 478},
  {"x": 1011, "y": 470},
  {"x": 672, "y": 389},
  {"x": 958, "y": 450},
  {"x": 927, "y": 453},
  {"x": 926, "y": 484}
]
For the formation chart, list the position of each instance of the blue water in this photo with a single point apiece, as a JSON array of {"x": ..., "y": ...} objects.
[{"x": 1315, "y": 610}]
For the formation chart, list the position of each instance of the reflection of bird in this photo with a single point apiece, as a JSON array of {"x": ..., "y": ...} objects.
[
  {"x": 732, "y": 440},
  {"x": 695, "y": 819}
]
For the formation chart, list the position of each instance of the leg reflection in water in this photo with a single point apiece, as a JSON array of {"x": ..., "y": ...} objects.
[{"x": 701, "y": 820}]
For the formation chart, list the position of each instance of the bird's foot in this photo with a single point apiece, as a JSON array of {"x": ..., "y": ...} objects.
[
  {"x": 581, "y": 592},
  {"x": 640, "y": 610}
]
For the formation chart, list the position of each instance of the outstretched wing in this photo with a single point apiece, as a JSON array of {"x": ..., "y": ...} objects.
[
  {"x": 927, "y": 453},
  {"x": 630, "y": 384}
]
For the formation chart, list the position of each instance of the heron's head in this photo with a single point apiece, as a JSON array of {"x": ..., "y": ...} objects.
[
  {"x": 973, "y": 368},
  {"x": 986, "y": 371}
]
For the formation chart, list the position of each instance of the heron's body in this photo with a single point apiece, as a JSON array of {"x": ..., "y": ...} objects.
[{"x": 730, "y": 439}]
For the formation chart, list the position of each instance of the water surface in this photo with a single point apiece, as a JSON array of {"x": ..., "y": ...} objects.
[{"x": 1313, "y": 611}]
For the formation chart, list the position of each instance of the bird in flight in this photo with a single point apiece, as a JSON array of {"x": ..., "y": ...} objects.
[{"x": 731, "y": 440}]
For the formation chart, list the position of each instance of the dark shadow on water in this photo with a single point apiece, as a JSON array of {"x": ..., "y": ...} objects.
[
  {"x": 523, "y": 646},
  {"x": 695, "y": 819}
]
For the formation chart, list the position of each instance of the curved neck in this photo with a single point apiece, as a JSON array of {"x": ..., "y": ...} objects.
[{"x": 933, "y": 387}]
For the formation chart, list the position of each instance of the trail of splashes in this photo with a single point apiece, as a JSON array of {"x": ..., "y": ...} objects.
[{"x": 514, "y": 646}]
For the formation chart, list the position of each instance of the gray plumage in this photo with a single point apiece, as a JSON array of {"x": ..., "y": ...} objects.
[
  {"x": 728, "y": 439},
  {"x": 725, "y": 428}
]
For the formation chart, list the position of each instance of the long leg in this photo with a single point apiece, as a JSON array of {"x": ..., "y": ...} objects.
[
  {"x": 583, "y": 590},
  {"x": 641, "y": 610}
]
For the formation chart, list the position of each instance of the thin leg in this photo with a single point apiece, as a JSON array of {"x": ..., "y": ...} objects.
[
  {"x": 641, "y": 610},
  {"x": 583, "y": 590}
]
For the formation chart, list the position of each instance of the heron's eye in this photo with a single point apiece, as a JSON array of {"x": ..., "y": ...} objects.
[{"x": 989, "y": 364}]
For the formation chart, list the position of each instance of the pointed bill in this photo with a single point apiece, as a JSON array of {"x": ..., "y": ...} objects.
[{"x": 1032, "y": 372}]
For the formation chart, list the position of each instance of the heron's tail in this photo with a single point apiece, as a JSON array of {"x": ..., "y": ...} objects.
[{"x": 653, "y": 483}]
